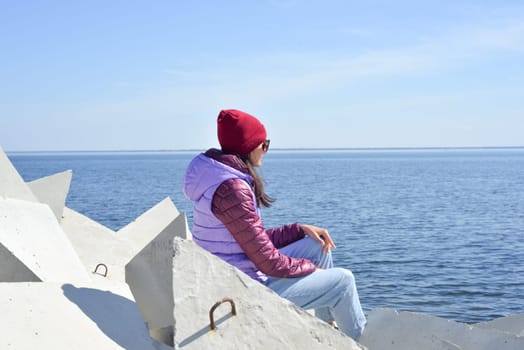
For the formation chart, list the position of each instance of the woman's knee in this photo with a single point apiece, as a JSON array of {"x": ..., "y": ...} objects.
[
  {"x": 346, "y": 276},
  {"x": 312, "y": 245},
  {"x": 313, "y": 249}
]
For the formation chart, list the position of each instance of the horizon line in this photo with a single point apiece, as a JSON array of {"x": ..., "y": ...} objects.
[{"x": 274, "y": 149}]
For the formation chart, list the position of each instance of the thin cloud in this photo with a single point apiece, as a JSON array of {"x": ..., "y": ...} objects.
[
  {"x": 273, "y": 78},
  {"x": 509, "y": 38},
  {"x": 450, "y": 51}
]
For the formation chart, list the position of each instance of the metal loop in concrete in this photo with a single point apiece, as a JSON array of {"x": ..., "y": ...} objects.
[
  {"x": 96, "y": 269},
  {"x": 211, "y": 318}
]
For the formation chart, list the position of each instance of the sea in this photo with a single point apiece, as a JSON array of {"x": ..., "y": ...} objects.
[{"x": 435, "y": 231}]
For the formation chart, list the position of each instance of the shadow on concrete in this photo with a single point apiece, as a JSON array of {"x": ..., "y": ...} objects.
[
  {"x": 116, "y": 316},
  {"x": 203, "y": 331}
]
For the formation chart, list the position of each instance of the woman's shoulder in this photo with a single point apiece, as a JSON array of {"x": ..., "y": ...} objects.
[
  {"x": 233, "y": 195},
  {"x": 234, "y": 187},
  {"x": 230, "y": 160}
]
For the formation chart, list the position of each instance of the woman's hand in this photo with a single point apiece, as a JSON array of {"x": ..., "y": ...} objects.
[{"x": 321, "y": 235}]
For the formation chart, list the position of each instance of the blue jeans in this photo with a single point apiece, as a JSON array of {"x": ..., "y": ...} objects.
[{"x": 332, "y": 292}]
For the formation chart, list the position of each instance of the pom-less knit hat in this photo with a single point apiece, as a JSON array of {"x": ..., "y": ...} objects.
[{"x": 239, "y": 132}]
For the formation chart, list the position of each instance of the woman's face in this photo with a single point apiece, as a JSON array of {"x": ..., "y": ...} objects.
[{"x": 255, "y": 157}]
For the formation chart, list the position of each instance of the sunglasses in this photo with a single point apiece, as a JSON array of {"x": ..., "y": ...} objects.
[{"x": 265, "y": 145}]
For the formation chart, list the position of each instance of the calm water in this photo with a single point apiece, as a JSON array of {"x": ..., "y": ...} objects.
[{"x": 432, "y": 231}]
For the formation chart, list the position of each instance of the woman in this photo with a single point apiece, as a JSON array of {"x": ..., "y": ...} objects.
[{"x": 293, "y": 260}]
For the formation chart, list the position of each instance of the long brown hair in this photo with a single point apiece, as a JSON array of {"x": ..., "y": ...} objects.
[{"x": 262, "y": 197}]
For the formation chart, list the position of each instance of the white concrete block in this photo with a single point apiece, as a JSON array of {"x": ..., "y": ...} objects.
[
  {"x": 147, "y": 226},
  {"x": 388, "y": 329},
  {"x": 263, "y": 320},
  {"x": 150, "y": 277},
  {"x": 14, "y": 270},
  {"x": 96, "y": 244},
  {"x": 11, "y": 183},
  {"x": 71, "y": 316},
  {"x": 513, "y": 324},
  {"x": 52, "y": 190},
  {"x": 31, "y": 233}
]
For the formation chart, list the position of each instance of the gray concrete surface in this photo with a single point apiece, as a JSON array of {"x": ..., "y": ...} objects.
[
  {"x": 66, "y": 316},
  {"x": 11, "y": 183},
  {"x": 513, "y": 324},
  {"x": 150, "y": 277},
  {"x": 31, "y": 233},
  {"x": 263, "y": 320},
  {"x": 148, "y": 225},
  {"x": 52, "y": 190},
  {"x": 391, "y": 330}
]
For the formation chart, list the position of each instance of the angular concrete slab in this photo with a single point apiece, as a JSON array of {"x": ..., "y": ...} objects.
[
  {"x": 70, "y": 316},
  {"x": 29, "y": 231},
  {"x": 11, "y": 183},
  {"x": 147, "y": 226},
  {"x": 13, "y": 269},
  {"x": 388, "y": 329},
  {"x": 150, "y": 277},
  {"x": 96, "y": 244},
  {"x": 513, "y": 324},
  {"x": 52, "y": 190},
  {"x": 263, "y": 320}
]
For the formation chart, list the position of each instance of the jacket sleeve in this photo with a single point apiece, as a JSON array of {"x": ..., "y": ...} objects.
[
  {"x": 284, "y": 235},
  {"x": 233, "y": 205}
]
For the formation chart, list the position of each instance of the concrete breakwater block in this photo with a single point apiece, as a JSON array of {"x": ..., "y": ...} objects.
[
  {"x": 71, "y": 316},
  {"x": 391, "y": 330},
  {"x": 97, "y": 244},
  {"x": 513, "y": 324},
  {"x": 52, "y": 190},
  {"x": 150, "y": 277},
  {"x": 11, "y": 183},
  {"x": 263, "y": 320},
  {"x": 33, "y": 245},
  {"x": 147, "y": 226}
]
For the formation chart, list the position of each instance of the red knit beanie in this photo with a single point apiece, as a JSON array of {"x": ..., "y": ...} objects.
[{"x": 239, "y": 132}]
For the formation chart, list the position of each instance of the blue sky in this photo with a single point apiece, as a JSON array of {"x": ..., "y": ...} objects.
[{"x": 127, "y": 75}]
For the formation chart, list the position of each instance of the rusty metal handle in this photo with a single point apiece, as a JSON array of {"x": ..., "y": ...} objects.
[
  {"x": 211, "y": 318},
  {"x": 96, "y": 269}
]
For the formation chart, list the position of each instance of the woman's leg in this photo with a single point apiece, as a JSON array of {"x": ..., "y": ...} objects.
[
  {"x": 331, "y": 288},
  {"x": 310, "y": 249}
]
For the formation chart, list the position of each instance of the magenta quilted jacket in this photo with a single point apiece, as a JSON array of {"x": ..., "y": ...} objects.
[{"x": 233, "y": 205}]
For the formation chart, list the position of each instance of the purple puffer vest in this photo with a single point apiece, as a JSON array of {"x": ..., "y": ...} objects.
[{"x": 202, "y": 178}]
